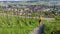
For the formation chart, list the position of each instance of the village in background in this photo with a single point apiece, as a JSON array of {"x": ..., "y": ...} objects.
[{"x": 31, "y": 8}]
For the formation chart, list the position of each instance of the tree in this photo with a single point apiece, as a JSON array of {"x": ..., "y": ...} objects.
[{"x": 10, "y": 5}]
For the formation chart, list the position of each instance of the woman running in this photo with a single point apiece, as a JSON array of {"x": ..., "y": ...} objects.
[
  {"x": 40, "y": 20},
  {"x": 41, "y": 25}
]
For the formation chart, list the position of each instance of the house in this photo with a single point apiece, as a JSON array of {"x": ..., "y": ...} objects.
[{"x": 46, "y": 9}]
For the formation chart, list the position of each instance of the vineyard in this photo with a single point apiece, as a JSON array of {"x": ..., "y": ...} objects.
[
  {"x": 19, "y": 25},
  {"x": 11, "y": 21}
]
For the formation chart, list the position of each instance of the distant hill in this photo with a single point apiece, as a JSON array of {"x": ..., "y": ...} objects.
[{"x": 33, "y": 2}]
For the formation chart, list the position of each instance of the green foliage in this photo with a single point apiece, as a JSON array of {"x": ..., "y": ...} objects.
[{"x": 15, "y": 25}]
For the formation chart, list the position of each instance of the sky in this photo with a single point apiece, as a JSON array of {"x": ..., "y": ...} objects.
[
  {"x": 29, "y": 0},
  {"x": 18, "y": 0}
]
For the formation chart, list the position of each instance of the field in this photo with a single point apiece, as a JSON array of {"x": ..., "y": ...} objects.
[
  {"x": 13, "y": 20},
  {"x": 19, "y": 25},
  {"x": 15, "y": 25}
]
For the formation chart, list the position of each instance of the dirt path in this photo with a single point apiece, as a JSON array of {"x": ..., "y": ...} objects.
[
  {"x": 26, "y": 16},
  {"x": 35, "y": 31}
]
